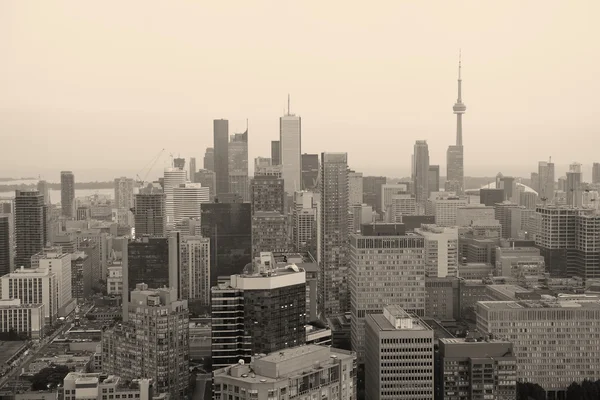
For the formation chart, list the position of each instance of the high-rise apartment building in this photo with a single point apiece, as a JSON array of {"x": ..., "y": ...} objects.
[
  {"x": 310, "y": 171},
  {"x": 332, "y": 234},
  {"x": 441, "y": 250},
  {"x": 187, "y": 200},
  {"x": 124, "y": 193},
  {"x": 31, "y": 225},
  {"x": 355, "y": 188},
  {"x": 258, "y": 312},
  {"x": 372, "y": 193},
  {"x": 442, "y": 301},
  {"x": 490, "y": 196},
  {"x": 221, "y": 155},
  {"x": 433, "y": 177},
  {"x": 33, "y": 286},
  {"x": 290, "y": 138},
  {"x": 267, "y": 194},
  {"x": 546, "y": 180},
  {"x": 150, "y": 213},
  {"x": 384, "y": 269},
  {"x": 6, "y": 244},
  {"x": 398, "y": 356},
  {"x": 444, "y": 206},
  {"x": 81, "y": 276},
  {"x": 153, "y": 344},
  {"x": 173, "y": 177},
  {"x": 59, "y": 264},
  {"x": 535, "y": 181},
  {"x": 67, "y": 193},
  {"x": 421, "y": 172},
  {"x": 476, "y": 370},
  {"x": 193, "y": 169},
  {"x": 195, "y": 269},
  {"x": 275, "y": 152},
  {"x": 596, "y": 173},
  {"x": 528, "y": 200},
  {"x": 209, "y": 159},
  {"x": 269, "y": 232},
  {"x": 549, "y": 343},
  {"x": 287, "y": 374},
  {"x": 44, "y": 189},
  {"x": 502, "y": 215},
  {"x": 238, "y": 165},
  {"x": 304, "y": 218}
]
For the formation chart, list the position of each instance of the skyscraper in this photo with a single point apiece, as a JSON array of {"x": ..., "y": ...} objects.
[
  {"x": 124, "y": 193},
  {"x": 208, "y": 179},
  {"x": 150, "y": 214},
  {"x": 372, "y": 191},
  {"x": 67, "y": 193},
  {"x": 332, "y": 234},
  {"x": 304, "y": 221},
  {"x": 275, "y": 152},
  {"x": 6, "y": 244},
  {"x": 434, "y": 178},
  {"x": 193, "y": 169},
  {"x": 30, "y": 225},
  {"x": 174, "y": 177},
  {"x": 269, "y": 232},
  {"x": 455, "y": 173},
  {"x": 187, "y": 199},
  {"x": 310, "y": 171},
  {"x": 267, "y": 194},
  {"x": 209, "y": 159},
  {"x": 290, "y": 144},
  {"x": 441, "y": 250},
  {"x": 574, "y": 192},
  {"x": 421, "y": 172},
  {"x": 195, "y": 269},
  {"x": 43, "y": 188},
  {"x": 596, "y": 173},
  {"x": 546, "y": 180},
  {"x": 238, "y": 165},
  {"x": 355, "y": 188},
  {"x": 221, "y": 155}
]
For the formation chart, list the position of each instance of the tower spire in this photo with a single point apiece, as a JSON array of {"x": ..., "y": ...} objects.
[
  {"x": 459, "y": 108},
  {"x": 288, "y": 113}
]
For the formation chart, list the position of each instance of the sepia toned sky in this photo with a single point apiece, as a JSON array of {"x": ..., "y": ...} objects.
[{"x": 100, "y": 87}]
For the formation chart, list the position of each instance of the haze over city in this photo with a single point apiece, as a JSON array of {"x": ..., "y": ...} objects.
[{"x": 101, "y": 88}]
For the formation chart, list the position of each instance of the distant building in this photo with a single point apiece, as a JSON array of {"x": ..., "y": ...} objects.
[
  {"x": 31, "y": 225},
  {"x": 150, "y": 213},
  {"x": 267, "y": 193},
  {"x": 421, "y": 172},
  {"x": 114, "y": 280},
  {"x": 310, "y": 171},
  {"x": 193, "y": 169},
  {"x": 221, "y": 155},
  {"x": 209, "y": 159},
  {"x": 269, "y": 232},
  {"x": 441, "y": 250},
  {"x": 502, "y": 214},
  {"x": 239, "y": 182},
  {"x": 207, "y": 179},
  {"x": 290, "y": 150},
  {"x": 372, "y": 193},
  {"x": 355, "y": 188},
  {"x": 124, "y": 193},
  {"x": 401, "y": 205},
  {"x": 59, "y": 264},
  {"x": 466, "y": 215},
  {"x": 195, "y": 269},
  {"x": 6, "y": 244},
  {"x": 173, "y": 178},
  {"x": 546, "y": 180},
  {"x": 81, "y": 276},
  {"x": 187, "y": 201},
  {"x": 275, "y": 152},
  {"x": 445, "y": 207},
  {"x": 67, "y": 193},
  {"x": 489, "y": 197},
  {"x": 433, "y": 178},
  {"x": 528, "y": 200},
  {"x": 389, "y": 190},
  {"x": 475, "y": 270},
  {"x": 79, "y": 385},
  {"x": 44, "y": 189},
  {"x": 304, "y": 221},
  {"x": 358, "y": 215},
  {"x": 596, "y": 173},
  {"x": 442, "y": 300}
]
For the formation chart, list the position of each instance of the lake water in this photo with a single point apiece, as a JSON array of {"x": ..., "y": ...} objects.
[{"x": 55, "y": 193}]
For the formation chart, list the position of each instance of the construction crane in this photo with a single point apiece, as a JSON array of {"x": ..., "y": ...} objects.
[{"x": 147, "y": 168}]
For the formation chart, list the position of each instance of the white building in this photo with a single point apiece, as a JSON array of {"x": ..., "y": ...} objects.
[
  {"x": 114, "y": 280},
  {"x": 33, "y": 286},
  {"x": 359, "y": 214},
  {"x": 444, "y": 206},
  {"x": 187, "y": 200},
  {"x": 173, "y": 177},
  {"x": 290, "y": 152},
  {"x": 124, "y": 188},
  {"x": 466, "y": 215},
  {"x": 195, "y": 269},
  {"x": 355, "y": 188},
  {"x": 60, "y": 265},
  {"x": 25, "y": 319},
  {"x": 95, "y": 386},
  {"x": 441, "y": 250},
  {"x": 388, "y": 190},
  {"x": 402, "y": 204},
  {"x": 304, "y": 219}
]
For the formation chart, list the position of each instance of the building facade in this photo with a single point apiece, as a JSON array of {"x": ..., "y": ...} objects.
[
  {"x": 290, "y": 139},
  {"x": 67, "y": 193},
  {"x": 187, "y": 201},
  {"x": 6, "y": 244},
  {"x": 310, "y": 171},
  {"x": 267, "y": 194},
  {"x": 26, "y": 320},
  {"x": 239, "y": 181},
  {"x": 221, "y": 155},
  {"x": 124, "y": 193},
  {"x": 150, "y": 215},
  {"x": 441, "y": 250},
  {"x": 31, "y": 226}
]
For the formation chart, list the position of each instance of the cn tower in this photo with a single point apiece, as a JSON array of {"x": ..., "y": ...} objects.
[
  {"x": 454, "y": 157},
  {"x": 459, "y": 108}
]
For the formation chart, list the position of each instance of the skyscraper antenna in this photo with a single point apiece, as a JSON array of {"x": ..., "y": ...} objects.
[
  {"x": 246, "y": 125},
  {"x": 459, "y": 62},
  {"x": 289, "y": 104}
]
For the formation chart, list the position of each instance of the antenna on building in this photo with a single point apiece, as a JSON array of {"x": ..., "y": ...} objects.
[{"x": 288, "y": 113}]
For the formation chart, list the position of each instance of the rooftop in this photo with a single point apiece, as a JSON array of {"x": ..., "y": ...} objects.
[
  {"x": 395, "y": 318},
  {"x": 593, "y": 304}
]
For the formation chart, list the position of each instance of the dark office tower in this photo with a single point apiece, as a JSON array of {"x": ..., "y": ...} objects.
[
  {"x": 275, "y": 152},
  {"x": 44, "y": 190},
  {"x": 149, "y": 212},
  {"x": 535, "y": 181},
  {"x": 434, "y": 178},
  {"x": 596, "y": 173},
  {"x": 546, "y": 179},
  {"x": 310, "y": 171},
  {"x": 67, "y": 193},
  {"x": 229, "y": 228},
  {"x": 267, "y": 194},
  {"x": 30, "y": 225},
  {"x": 209, "y": 159},
  {"x": 421, "y": 172},
  {"x": 372, "y": 191},
  {"x": 508, "y": 184},
  {"x": 333, "y": 235},
  {"x": 6, "y": 244},
  {"x": 221, "y": 143},
  {"x": 193, "y": 169},
  {"x": 238, "y": 165},
  {"x": 490, "y": 197}
]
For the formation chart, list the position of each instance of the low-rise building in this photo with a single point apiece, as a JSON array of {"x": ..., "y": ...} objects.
[
  {"x": 23, "y": 319},
  {"x": 90, "y": 386}
]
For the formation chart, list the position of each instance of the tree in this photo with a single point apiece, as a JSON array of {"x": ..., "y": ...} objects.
[
  {"x": 49, "y": 377},
  {"x": 527, "y": 391}
]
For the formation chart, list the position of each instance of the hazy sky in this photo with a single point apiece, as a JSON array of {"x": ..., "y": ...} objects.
[{"x": 100, "y": 87}]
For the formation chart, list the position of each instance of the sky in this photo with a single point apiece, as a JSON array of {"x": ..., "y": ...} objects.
[{"x": 100, "y": 88}]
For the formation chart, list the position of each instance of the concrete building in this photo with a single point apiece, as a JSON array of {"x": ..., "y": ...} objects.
[
  {"x": 194, "y": 270},
  {"x": 274, "y": 322},
  {"x": 150, "y": 213},
  {"x": 24, "y": 319},
  {"x": 519, "y": 221},
  {"x": 384, "y": 269},
  {"x": 476, "y": 370},
  {"x": 239, "y": 182},
  {"x": 466, "y": 215},
  {"x": 310, "y": 171},
  {"x": 6, "y": 244},
  {"x": 81, "y": 276},
  {"x": 207, "y": 178},
  {"x": 221, "y": 155},
  {"x": 193, "y": 169},
  {"x": 441, "y": 250},
  {"x": 31, "y": 225},
  {"x": 358, "y": 215},
  {"x": 442, "y": 300},
  {"x": 67, "y": 193},
  {"x": 355, "y": 188},
  {"x": 434, "y": 178},
  {"x": 401, "y": 205},
  {"x": 491, "y": 196},
  {"x": 399, "y": 356},
  {"x": 445, "y": 207},
  {"x": 502, "y": 214},
  {"x": 290, "y": 139},
  {"x": 44, "y": 189},
  {"x": 421, "y": 172},
  {"x": 596, "y": 173},
  {"x": 269, "y": 232},
  {"x": 389, "y": 190},
  {"x": 574, "y": 188},
  {"x": 528, "y": 200},
  {"x": 304, "y": 221},
  {"x": 475, "y": 270},
  {"x": 173, "y": 177},
  {"x": 549, "y": 343},
  {"x": 372, "y": 193},
  {"x": 60, "y": 265},
  {"x": 114, "y": 280},
  {"x": 154, "y": 342},
  {"x": 20, "y": 283},
  {"x": 546, "y": 180},
  {"x": 187, "y": 201},
  {"x": 96, "y": 386},
  {"x": 124, "y": 193},
  {"x": 267, "y": 193},
  {"x": 275, "y": 152},
  {"x": 288, "y": 374},
  {"x": 332, "y": 234}
]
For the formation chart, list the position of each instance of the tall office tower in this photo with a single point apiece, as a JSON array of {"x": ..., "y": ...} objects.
[
  {"x": 310, "y": 171},
  {"x": 444, "y": 206},
  {"x": 304, "y": 220},
  {"x": 124, "y": 193},
  {"x": 421, "y": 175},
  {"x": 551, "y": 347},
  {"x": 596, "y": 173},
  {"x": 433, "y": 177},
  {"x": 467, "y": 215},
  {"x": 81, "y": 276},
  {"x": 269, "y": 232},
  {"x": 287, "y": 371},
  {"x": 173, "y": 177},
  {"x": 6, "y": 244},
  {"x": 290, "y": 139},
  {"x": 441, "y": 250},
  {"x": 385, "y": 268},
  {"x": 508, "y": 184},
  {"x": 389, "y": 190},
  {"x": 31, "y": 230},
  {"x": 455, "y": 173},
  {"x": 195, "y": 269},
  {"x": 60, "y": 265},
  {"x": 502, "y": 214},
  {"x": 490, "y": 197},
  {"x": 229, "y": 228},
  {"x": 398, "y": 344},
  {"x": 535, "y": 181},
  {"x": 19, "y": 284},
  {"x": 193, "y": 170},
  {"x": 209, "y": 159},
  {"x": 372, "y": 191},
  {"x": 187, "y": 199},
  {"x": 44, "y": 189},
  {"x": 154, "y": 342},
  {"x": 332, "y": 234},
  {"x": 355, "y": 188},
  {"x": 574, "y": 189},
  {"x": 546, "y": 180},
  {"x": 275, "y": 152},
  {"x": 238, "y": 165},
  {"x": 207, "y": 179},
  {"x": 528, "y": 200},
  {"x": 402, "y": 204},
  {"x": 479, "y": 369},
  {"x": 150, "y": 214},
  {"x": 221, "y": 155},
  {"x": 67, "y": 193},
  {"x": 259, "y": 312},
  {"x": 267, "y": 194}
]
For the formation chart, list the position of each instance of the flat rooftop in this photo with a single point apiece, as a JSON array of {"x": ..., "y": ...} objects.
[
  {"x": 540, "y": 304},
  {"x": 385, "y": 325}
]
